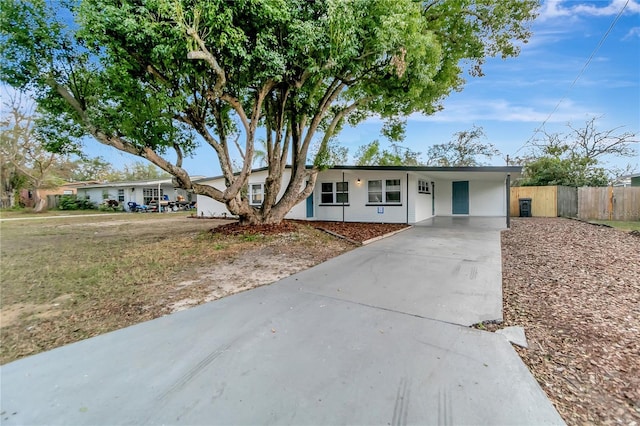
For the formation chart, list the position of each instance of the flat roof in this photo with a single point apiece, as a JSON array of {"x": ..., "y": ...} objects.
[{"x": 450, "y": 171}]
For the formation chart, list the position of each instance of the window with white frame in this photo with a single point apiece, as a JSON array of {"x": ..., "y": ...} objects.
[
  {"x": 121, "y": 195},
  {"x": 149, "y": 194},
  {"x": 385, "y": 191},
  {"x": 334, "y": 193},
  {"x": 256, "y": 193},
  {"x": 423, "y": 187}
]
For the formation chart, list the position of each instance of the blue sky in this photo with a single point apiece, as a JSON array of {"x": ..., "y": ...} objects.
[{"x": 516, "y": 96}]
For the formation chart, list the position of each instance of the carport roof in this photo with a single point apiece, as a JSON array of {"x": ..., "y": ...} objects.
[
  {"x": 487, "y": 172},
  {"x": 482, "y": 173}
]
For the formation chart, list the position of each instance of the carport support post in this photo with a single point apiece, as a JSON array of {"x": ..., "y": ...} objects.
[{"x": 508, "y": 200}]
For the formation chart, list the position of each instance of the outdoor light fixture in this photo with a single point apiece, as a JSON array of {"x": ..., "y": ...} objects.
[
  {"x": 358, "y": 181},
  {"x": 133, "y": 189}
]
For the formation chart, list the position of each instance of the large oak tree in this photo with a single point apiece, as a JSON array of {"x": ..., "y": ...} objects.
[{"x": 155, "y": 78}]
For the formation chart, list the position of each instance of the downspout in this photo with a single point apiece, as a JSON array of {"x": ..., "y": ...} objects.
[
  {"x": 508, "y": 200},
  {"x": 343, "y": 198},
  {"x": 407, "y": 198}
]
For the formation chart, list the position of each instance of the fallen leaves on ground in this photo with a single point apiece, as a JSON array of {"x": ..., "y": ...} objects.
[{"x": 575, "y": 288}]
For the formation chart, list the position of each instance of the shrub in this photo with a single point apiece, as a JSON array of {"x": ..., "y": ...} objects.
[{"x": 72, "y": 202}]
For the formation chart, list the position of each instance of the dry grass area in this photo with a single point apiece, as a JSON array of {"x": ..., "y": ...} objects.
[
  {"x": 575, "y": 288},
  {"x": 67, "y": 279}
]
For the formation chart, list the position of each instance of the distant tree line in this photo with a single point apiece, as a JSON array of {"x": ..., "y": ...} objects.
[{"x": 576, "y": 158}]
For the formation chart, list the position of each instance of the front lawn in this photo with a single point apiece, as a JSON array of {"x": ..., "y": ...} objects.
[{"x": 623, "y": 225}]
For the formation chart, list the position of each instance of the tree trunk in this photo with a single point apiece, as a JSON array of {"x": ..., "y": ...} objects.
[
  {"x": 259, "y": 216},
  {"x": 40, "y": 204}
]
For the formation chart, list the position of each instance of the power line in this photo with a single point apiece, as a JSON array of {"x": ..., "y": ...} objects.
[{"x": 593, "y": 53}]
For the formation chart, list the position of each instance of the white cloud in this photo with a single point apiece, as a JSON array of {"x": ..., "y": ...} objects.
[
  {"x": 611, "y": 9},
  {"x": 633, "y": 33},
  {"x": 553, "y": 9},
  {"x": 505, "y": 111}
]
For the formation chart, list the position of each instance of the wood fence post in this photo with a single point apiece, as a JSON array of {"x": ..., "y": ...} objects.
[{"x": 610, "y": 202}]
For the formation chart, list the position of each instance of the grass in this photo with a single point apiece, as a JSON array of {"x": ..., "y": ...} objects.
[
  {"x": 66, "y": 279},
  {"x": 24, "y": 213},
  {"x": 623, "y": 225}
]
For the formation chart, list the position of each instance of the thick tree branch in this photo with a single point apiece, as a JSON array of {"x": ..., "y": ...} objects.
[{"x": 205, "y": 55}]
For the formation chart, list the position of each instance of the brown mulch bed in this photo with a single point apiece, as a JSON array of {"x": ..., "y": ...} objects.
[
  {"x": 575, "y": 288},
  {"x": 272, "y": 229},
  {"x": 355, "y": 231}
]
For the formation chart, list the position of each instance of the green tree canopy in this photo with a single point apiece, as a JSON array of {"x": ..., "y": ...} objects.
[
  {"x": 371, "y": 155},
  {"x": 462, "y": 151},
  {"x": 156, "y": 78}
]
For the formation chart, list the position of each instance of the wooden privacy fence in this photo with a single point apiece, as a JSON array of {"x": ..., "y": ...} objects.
[
  {"x": 610, "y": 203},
  {"x": 546, "y": 201},
  {"x": 601, "y": 203}
]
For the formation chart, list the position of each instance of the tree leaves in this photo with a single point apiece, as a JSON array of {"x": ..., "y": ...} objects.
[
  {"x": 462, "y": 151},
  {"x": 577, "y": 158},
  {"x": 161, "y": 75}
]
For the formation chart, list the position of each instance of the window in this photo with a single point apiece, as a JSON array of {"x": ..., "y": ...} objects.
[
  {"x": 149, "y": 194},
  {"x": 334, "y": 193},
  {"x": 121, "y": 195},
  {"x": 384, "y": 191},
  {"x": 423, "y": 187},
  {"x": 256, "y": 193}
]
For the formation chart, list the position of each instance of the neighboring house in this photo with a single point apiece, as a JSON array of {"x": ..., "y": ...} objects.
[
  {"x": 139, "y": 192},
  {"x": 629, "y": 180},
  {"x": 52, "y": 195},
  {"x": 387, "y": 194}
]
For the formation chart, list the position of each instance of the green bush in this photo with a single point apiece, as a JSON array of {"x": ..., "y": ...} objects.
[
  {"x": 72, "y": 202},
  {"x": 106, "y": 208}
]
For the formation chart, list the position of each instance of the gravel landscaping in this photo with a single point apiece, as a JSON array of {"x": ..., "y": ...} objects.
[{"x": 575, "y": 288}]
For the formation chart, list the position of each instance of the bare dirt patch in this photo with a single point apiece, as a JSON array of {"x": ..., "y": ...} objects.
[
  {"x": 12, "y": 314},
  {"x": 575, "y": 288}
]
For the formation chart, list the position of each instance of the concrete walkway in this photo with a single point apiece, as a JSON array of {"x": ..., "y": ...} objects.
[{"x": 375, "y": 336}]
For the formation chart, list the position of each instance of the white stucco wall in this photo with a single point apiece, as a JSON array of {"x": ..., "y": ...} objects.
[
  {"x": 359, "y": 209},
  {"x": 420, "y": 205},
  {"x": 442, "y": 190},
  {"x": 486, "y": 197},
  {"x": 94, "y": 194}
]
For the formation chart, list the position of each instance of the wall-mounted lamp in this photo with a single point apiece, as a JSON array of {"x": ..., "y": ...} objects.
[
  {"x": 358, "y": 182},
  {"x": 133, "y": 189}
]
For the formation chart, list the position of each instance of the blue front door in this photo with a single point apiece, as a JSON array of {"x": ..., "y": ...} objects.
[
  {"x": 460, "y": 197},
  {"x": 310, "y": 205}
]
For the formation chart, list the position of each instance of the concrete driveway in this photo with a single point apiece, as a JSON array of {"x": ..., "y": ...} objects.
[{"x": 376, "y": 336}]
